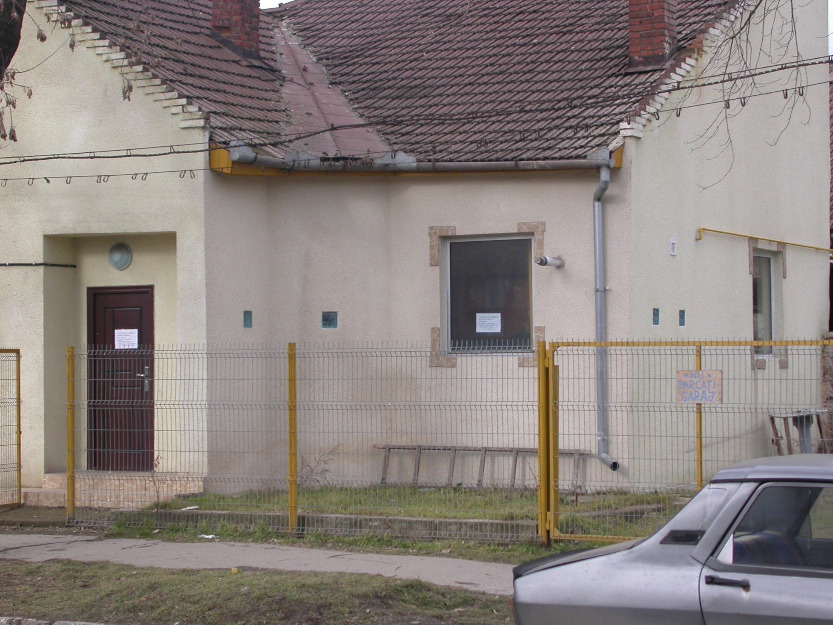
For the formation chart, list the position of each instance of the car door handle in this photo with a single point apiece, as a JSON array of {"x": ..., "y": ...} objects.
[{"x": 714, "y": 580}]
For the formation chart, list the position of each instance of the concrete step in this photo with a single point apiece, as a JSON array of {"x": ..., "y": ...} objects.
[{"x": 44, "y": 497}]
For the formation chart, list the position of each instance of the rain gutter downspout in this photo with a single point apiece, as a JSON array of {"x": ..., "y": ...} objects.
[{"x": 601, "y": 319}]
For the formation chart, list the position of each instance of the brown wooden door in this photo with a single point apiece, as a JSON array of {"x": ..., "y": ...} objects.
[{"x": 120, "y": 373}]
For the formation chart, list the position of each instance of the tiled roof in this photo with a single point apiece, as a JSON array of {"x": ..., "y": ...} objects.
[
  {"x": 485, "y": 80},
  {"x": 441, "y": 80}
]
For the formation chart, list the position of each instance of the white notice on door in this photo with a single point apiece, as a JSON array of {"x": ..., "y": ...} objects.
[
  {"x": 487, "y": 323},
  {"x": 127, "y": 339}
]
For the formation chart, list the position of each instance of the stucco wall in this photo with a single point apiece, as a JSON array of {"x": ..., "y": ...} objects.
[
  {"x": 360, "y": 245},
  {"x": 291, "y": 247},
  {"x": 764, "y": 173},
  {"x": 759, "y": 168},
  {"x": 88, "y": 204}
]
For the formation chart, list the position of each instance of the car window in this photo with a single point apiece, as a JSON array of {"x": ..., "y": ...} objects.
[
  {"x": 821, "y": 516},
  {"x": 786, "y": 526},
  {"x": 689, "y": 525}
]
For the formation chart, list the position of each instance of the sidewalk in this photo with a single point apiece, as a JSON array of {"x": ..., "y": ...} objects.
[{"x": 484, "y": 577}]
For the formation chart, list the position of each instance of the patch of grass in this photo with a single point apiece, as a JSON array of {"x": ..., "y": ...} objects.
[
  {"x": 118, "y": 594},
  {"x": 261, "y": 516},
  {"x": 442, "y": 502}
]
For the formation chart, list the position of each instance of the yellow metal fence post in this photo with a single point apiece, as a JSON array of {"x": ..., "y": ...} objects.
[
  {"x": 70, "y": 433},
  {"x": 554, "y": 445},
  {"x": 543, "y": 444},
  {"x": 19, "y": 435},
  {"x": 698, "y": 364},
  {"x": 293, "y": 439}
]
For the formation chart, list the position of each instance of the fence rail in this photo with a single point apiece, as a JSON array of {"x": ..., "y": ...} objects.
[
  {"x": 10, "y": 475},
  {"x": 382, "y": 440}
]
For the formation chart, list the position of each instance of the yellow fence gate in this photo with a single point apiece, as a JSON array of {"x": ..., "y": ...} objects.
[
  {"x": 10, "y": 461},
  {"x": 629, "y": 431}
]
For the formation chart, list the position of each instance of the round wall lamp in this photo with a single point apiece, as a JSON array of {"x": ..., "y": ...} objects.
[{"x": 120, "y": 256}]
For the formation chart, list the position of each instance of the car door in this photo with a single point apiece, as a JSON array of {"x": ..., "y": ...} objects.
[{"x": 776, "y": 565}]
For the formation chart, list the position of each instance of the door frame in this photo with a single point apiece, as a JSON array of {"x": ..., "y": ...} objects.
[{"x": 97, "y": 458}]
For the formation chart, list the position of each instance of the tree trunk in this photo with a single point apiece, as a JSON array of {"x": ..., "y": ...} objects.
[{"x": 11, "y": 20}]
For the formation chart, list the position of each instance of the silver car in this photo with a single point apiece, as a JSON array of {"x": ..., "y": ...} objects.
[{"x": 755, "y": 547}]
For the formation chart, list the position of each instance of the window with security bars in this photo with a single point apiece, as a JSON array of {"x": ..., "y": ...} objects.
[{"x": 489, "y": 294}]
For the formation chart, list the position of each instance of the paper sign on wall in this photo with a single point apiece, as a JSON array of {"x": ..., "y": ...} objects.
[
  {"x": 487, "y": 323},
  {"x": 127, "y": 339}
]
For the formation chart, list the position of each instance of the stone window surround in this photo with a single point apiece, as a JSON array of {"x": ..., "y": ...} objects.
[{"x": 439, "y": 357}]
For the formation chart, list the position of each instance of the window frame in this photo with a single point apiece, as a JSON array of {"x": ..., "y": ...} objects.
[
  {"x": 722, "y": 556},
  {"x": 756, "y": 278},
  {"x": 776, "y": 270},
  {"x": 446, "y": 243}
]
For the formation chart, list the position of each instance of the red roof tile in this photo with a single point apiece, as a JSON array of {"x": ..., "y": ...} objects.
[
  {"x": 446, "y": 80},
  {"x": 484, "y": 80}
]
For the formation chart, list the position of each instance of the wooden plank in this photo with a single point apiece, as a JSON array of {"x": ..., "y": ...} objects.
[
  {"x": 514, "y": 468},
  {"x": 776, "y": 437},
  {"x": 482, "y": 469},
  {"x": 385, "y": 464},
  {"x": 451, "y": 463},
  {"x": 417, "y": 460}
]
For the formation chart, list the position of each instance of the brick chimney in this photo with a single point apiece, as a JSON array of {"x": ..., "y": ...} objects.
[
  {"x": 653, "y": 32},
  {"x": 236, "y": 23}
]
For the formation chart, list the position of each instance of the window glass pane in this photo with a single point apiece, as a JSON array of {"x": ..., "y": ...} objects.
[
  {"x": 490, "y": 294},
  {"x": 762, "y": 298},
  {"x": 821, "y": 516},
  {"x": 779, "y": 529}
]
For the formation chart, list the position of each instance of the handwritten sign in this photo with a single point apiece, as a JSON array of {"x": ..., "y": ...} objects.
[{"x": 699, "y": 387}]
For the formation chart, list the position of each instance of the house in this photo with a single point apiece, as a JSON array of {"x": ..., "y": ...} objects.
[{"x": 474, "y": 174}]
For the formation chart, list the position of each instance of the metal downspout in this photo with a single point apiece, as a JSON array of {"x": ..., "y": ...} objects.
[{"x": 601, "y": 320}]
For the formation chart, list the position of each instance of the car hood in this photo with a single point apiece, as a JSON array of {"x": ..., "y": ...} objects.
[{"x": 548, "y": 562}]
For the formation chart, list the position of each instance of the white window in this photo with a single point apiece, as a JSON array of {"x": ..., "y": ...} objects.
[
  {"x": 762, "y": 301},
  {"x": 488, "y": 293}
]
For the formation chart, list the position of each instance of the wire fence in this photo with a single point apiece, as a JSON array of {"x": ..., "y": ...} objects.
[
  {"x": 313, "y": 439},
  {"x": 401, "y": 441},
  {"x": 674, "y": 415},
  {"x": 10, "y": 481}
]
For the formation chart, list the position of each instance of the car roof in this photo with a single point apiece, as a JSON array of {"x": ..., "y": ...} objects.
[{"x": 816, "y": 467}]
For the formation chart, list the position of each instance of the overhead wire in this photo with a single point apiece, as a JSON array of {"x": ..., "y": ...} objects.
[
  {"x": 540, "y": 106},
  {"x": 469, "y": 116}
]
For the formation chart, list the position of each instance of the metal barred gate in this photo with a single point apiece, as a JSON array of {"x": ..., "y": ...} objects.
[{"x": 10, "y": 479}]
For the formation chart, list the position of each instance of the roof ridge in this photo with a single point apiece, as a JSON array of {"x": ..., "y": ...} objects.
[
  {"x": 680, "y": 68},
  {"x": 138, "y": 75}
]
